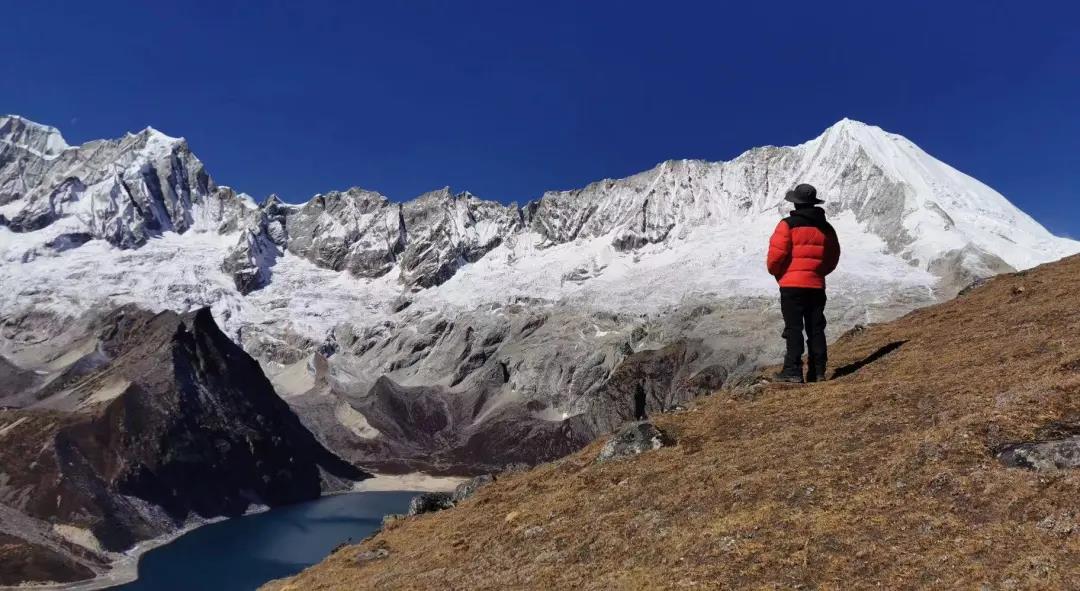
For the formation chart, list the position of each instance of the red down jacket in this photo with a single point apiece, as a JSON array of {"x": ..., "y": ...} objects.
[{"x": 803, "y": 249}]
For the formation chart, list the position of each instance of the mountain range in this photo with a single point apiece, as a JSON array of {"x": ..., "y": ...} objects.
[{"x": 448, "y": 333}]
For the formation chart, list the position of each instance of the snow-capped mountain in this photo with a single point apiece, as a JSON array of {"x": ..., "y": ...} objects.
[{"x": 506, "y": 322}]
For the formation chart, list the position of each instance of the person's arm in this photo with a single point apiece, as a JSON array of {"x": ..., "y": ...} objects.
[
  {"x": 832, "y": 252},
  {"x": 779, "y": 256}
]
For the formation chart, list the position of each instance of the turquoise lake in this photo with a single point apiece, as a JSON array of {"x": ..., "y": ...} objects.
[{"x": 242, "y": 554}]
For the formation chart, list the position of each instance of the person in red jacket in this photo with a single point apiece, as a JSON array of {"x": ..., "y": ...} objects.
[{"x": 802, "y": 251}]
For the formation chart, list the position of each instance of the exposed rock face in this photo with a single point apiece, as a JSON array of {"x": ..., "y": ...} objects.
[
  {"x": 633, "y": 439},
  {"x": 445, "y": 231},
  {"x": 370, "y": 555},
  {"x": 122, "y": 191},
  {"x": 430, "y": 237},
  {"x": 430, "y": 502},
  {"x": 966, "y": 266},
  {"x": 469, "y": 487},
  {"x": 1047, "y": 455},
  {"x": 355, "y": 231},
  {"x": 13, "y": 379},
  {"x": 653, "y": 380},
  {"x": 262, "y": 239},
  {"x": 145, "y": 421}
]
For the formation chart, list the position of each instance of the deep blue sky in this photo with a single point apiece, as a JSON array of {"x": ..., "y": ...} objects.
[{"x": 508, "y": 99}]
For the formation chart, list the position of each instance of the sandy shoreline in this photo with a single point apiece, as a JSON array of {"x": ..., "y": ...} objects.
[
  {"x": 416, "y": 481},
  {"x": 125, "y": 568}
]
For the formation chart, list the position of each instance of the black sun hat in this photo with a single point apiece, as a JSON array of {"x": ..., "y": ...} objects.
[{"x": 803, "y": 194}]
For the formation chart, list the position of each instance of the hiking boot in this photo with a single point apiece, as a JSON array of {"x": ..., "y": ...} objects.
[{"x": 787, "y": 378}]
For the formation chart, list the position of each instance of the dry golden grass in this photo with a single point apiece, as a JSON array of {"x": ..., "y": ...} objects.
[{"x": 884, "y": 478}]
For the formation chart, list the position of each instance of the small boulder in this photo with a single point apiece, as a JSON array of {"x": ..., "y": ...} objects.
[
  {"x": 515, "y": 468},
  {"x": 469, "y": 487},
  {"x": 633, "y": 439},
  {"x": 973, "y": 286},
  {"x": 341, "y": 545},
  {"x": 1047, "y": 455},
  {"x": 369, "y": 555},
  {"x": 430, "y": 502}
]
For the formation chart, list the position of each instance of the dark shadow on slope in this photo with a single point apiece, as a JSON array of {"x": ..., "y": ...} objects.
[{"x": 854, "y": 367}]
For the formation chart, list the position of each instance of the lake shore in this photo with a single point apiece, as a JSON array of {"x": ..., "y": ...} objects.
[
  {"x": 125, "y": 567},
  {"x": 416, "y": 481}
]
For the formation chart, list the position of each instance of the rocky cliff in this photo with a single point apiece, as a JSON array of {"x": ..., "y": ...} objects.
[{"x": 130, "y": 425}]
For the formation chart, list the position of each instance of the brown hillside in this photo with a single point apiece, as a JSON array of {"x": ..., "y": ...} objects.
[{"x": 883, "y": 478}]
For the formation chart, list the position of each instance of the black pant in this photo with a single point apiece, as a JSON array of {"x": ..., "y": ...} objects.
[{"x": 804, "y": 307}]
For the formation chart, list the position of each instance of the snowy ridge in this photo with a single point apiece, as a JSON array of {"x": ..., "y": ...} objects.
[
  {"x": 639, "y": 243},
  {"x": 39, "y": 140}
]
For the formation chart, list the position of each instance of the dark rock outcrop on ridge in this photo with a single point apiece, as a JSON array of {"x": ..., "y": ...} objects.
[
  {"x": 633, "y": 439},
  {"x": 430, "y": 502},
  {"x": 155, "y": 420}
]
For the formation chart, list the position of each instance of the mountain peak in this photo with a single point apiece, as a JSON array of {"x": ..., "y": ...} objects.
[
  {"x": 153, "y": 136},
  {"x": 43, "y": 140},
  {"x": 847, "y": 122},
  {"x": 863, "y": 133}
]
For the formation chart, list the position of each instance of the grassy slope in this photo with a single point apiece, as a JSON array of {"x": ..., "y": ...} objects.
[{"x": 882, "y": 478}]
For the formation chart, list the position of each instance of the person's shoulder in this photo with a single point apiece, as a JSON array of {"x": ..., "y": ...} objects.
[{"x": 797, "y": 221}]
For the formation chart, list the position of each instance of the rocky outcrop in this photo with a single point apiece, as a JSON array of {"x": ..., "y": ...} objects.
[
  {"x": 444, "y": 231},
  {"x": 14, "y": 379},
  {"x": 154, "y": 420},
  {"x": 633, "y": 439},
  {"x": 262, "y": 240},
  {"x": 469, "y": 487},
  {"x": 430, "y": 502},
  {"x": 1046, "y": 455},
  {"x": 429, "y": 237},
  {"x": 656, "y": 380},
  {"x": 355, "y": 231}
]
